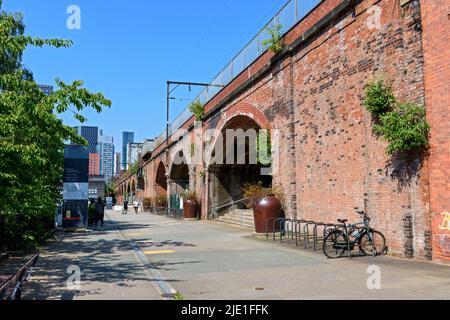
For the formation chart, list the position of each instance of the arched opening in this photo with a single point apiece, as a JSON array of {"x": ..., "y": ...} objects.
[
  {"x": 179, "y": 181},
  {"x": 161, "y": 180},
  {"x": 237, "y": 165},
  {"x": 140, "y": 185}
]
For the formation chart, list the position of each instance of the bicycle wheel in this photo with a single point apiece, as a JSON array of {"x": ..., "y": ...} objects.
[
  {"x": 375, "y": 247},
  {"x": 334, "y": 244}
]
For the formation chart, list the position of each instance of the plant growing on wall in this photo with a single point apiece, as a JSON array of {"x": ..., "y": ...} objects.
[
  {"x": 406, "y": 128},
  {"x": 275, "y": 42},
  {"x": 403, "y": 125},
  {"x": 197, "y": 108},
  {"x": 134, "y": 168},
  {"x": 379, "y": 98}
]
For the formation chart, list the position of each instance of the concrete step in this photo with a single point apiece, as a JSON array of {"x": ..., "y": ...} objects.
[
  {"x": 236, "y": 216},
  {"x": 240, "y": 217},
  {"x": 237, "y": 220},
  {"x": 237, "y": 223}
]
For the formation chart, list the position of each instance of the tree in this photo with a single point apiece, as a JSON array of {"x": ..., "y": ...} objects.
[{"x": 32, "y": 136}]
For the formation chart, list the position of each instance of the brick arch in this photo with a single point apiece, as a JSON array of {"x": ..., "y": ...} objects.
[
  {"x": 248, "y": 110},
  {"x": 159, "y": 180},
  {"x": 241, "y": 109}
]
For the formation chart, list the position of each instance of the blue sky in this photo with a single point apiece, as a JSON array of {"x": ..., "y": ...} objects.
[{"x": 129, "y": 49}]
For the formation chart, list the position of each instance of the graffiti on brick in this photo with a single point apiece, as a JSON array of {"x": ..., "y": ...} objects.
[{"x": 445, "y": 221}]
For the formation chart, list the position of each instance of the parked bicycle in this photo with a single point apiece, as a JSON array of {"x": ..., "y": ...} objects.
[{"x": 346, "y": 237}]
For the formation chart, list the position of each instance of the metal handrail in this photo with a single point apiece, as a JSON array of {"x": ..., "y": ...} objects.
[
  {"x": 215, "y": 209},
  {"x": 297, "y": 8}
]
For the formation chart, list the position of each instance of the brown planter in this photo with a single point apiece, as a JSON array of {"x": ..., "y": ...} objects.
[
  {"x": 190, "y": 208},
  {"x": 267, "y": 208}
]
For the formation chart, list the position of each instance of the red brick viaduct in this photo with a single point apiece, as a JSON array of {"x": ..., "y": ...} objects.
[{"x": 331, "y": 162}]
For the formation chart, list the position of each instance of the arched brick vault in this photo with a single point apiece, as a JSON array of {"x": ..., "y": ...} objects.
[
  {"x": 236, "y": 110},
  {"x": 160, "y": 179}
]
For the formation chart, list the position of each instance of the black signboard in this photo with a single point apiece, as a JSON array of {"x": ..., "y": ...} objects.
[{"x": 76, "y": 179}]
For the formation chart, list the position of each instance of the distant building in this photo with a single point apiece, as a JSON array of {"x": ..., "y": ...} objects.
[
  {"x": 117, "y": 163},
  {"x": 127, "y": 137},
  {"x": 91, "y": 135},
  {"x": 46, "y": 89},
  {"x": 105, "y": 148},
  {"x": 94, "y": 164},
  {"x": 96, "y": 186},
  {"x": 133, "y": 152}
]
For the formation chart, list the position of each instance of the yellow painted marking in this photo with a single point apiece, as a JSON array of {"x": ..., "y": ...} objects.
[{"x": 159, "y": 251}]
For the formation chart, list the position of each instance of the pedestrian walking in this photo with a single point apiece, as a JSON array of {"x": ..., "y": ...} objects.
[
  {"x": 100, "y": 212},
  {"x": 136, "y": 206},
  {"x": 125, "y": 207}
]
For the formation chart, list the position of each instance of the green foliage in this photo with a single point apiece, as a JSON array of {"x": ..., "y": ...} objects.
[
  {"x": 109, "y": 189},
  {"x": 178, "y": 296},
  {"x": 406, "y": 129},
  {"x": 134, "y": 168},
  {"x": 32, "y": 137},
  {"x": 264, "y": 148},
  {"x": 379, "y": 98},
  {"x": 275, "y": 42},
  {"x": 161, "y": 201},
  {"x": 197, "y": 108},
  {"x": 190, "y": 195},
  {"x": 255, "y": 191},
  {"x": 403, "y": 125}
]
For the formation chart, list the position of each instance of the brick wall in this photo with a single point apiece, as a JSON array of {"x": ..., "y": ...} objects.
[
  {"x": 436, "y": 48},
  {"x": 333, "y": 163},
  {"x": 331, "y": 160}
]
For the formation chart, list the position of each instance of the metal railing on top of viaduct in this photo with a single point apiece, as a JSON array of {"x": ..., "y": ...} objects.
[{"x": 291, "y": 13}]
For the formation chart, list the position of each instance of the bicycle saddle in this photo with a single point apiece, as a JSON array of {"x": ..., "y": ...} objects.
[{"x": 342, "y": 220}]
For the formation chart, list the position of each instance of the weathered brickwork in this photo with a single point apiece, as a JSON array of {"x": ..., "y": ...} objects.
[
  {"x": 331, "y": 161},
  {"x": 436, "y": 51}
]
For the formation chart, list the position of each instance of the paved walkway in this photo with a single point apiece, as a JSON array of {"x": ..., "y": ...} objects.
[
  {"x": 204, "y": 260},
  {"x": 109, "y": 269}
]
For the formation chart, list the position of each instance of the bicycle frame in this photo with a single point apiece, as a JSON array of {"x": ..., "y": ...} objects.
[{"x": 347, "y": 230}]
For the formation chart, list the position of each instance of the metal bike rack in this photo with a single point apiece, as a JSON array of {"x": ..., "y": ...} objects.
[
  {"x": 315, "y": 234},
  {"x": 290, "y": 224},
  {"x": 273, "y": 227},
  {"x": 306, "y": 232},
  {"x": 271, "y": 220},
  {"x": 298, "y": 230}
]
